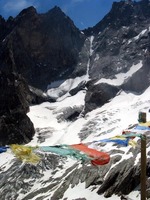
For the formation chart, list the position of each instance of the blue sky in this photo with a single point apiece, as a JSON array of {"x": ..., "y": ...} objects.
[{"x": 84, "y": 13}]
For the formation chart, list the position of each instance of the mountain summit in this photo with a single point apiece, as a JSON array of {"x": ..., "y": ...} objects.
[
  {"x": 43, "y": 45},
  {"x": 123, "y": 13}
]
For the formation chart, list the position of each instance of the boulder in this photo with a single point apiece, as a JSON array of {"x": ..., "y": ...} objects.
[{"x": 98, "y": 94}]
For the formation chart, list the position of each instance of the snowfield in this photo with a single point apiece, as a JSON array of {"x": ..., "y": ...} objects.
[
  {"x": 105, "y": 122},
  {"x": 52, "y": 128}
]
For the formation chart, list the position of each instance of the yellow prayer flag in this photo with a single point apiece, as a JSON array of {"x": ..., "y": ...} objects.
[{"x": 25, "y": 153}]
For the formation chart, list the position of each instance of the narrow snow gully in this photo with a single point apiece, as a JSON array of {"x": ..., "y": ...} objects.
[{"x": 91, "y": 38}]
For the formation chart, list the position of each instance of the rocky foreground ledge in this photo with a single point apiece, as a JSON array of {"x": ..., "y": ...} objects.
[{"x": 53, "y": 175}]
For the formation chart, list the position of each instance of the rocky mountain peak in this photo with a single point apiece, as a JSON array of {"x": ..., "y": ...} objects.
[
  {"x": 41, "y": 44},
  {"x": 58, "y": 18},
  {"x": 28, "y": 12},
  {"x": 123, "y": 13},
  {"x": 56, "y": 9}
]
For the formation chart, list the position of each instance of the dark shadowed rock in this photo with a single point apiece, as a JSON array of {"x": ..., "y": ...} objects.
[
  {"x": 15, "y": 129},
  {"x": 123, "y": 13},
  {"x": 121, "y": 179},
  {"x": 37, "y": 96},
  {"x": 99, "y": 94},
  {"x": 15, "y": 126},
  {"x": 121, "y": 39},
  {"x": 80, "y": 86},
  {"x": 44, "y": 47}
]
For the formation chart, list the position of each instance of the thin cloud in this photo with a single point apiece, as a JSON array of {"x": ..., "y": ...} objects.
[
  {"x": 71, "y": 4},
  {"x": 16, "y": 6}
]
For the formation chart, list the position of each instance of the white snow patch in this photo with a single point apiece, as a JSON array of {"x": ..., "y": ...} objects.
[
  {"x": 121, "y": 77},
  {"x": 6, "y": 160},
  {"x": 96, "y": 58},
  {"x": 64, "y": 87},
  {"x": 80, "y": 191},
  {"x": 140, "y": 34}
]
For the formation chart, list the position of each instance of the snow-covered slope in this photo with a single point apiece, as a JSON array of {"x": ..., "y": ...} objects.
[
  {"x": 105, "y": 122},
  {"x": 112, "y": 116},
  {"x": 42, "y": 181}
]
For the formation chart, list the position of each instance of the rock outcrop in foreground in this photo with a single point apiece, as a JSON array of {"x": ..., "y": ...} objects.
[
  {"x": 15, "y": 125},
  {"x": 121, "y": 179}
]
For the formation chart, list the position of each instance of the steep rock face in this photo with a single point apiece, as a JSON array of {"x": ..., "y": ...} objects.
[
  {"x": 15, "y": 126},
  {"x": 140, "y": 81},
  {"x": 121, "y": 40},
  {"x": 123, "y": 13},
  {"x": 44, "y": 47},
  {"x": 3, "y": 27}
]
